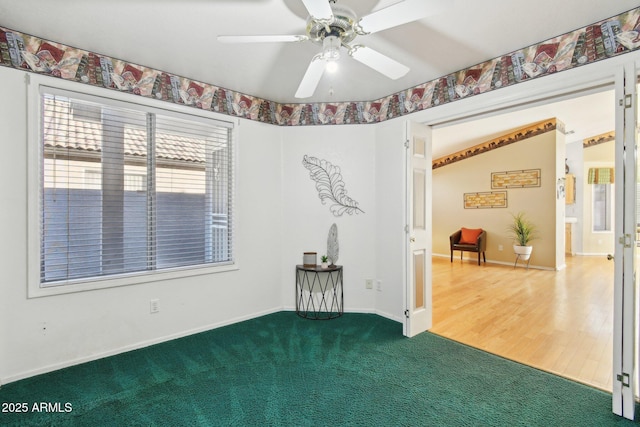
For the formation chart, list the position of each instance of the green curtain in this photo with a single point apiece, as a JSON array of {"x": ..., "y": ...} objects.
[{"x": 600, "y": 176}]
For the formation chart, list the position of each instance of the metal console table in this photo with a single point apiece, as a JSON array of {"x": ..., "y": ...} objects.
[{"x": 319, "y": 293}]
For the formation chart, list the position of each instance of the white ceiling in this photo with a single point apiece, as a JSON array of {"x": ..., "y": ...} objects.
[
  {"x": 179, "y": 37},
  {"x": 583, "y": 116}
]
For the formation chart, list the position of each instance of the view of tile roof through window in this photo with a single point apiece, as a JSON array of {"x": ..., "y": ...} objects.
[{"x": 70, "y": 126}]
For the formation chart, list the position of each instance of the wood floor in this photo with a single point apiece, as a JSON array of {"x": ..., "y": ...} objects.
[{"x": 557, "y": 321}]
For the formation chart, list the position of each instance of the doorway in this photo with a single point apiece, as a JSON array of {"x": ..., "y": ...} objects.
[{"x": 556, "y": 318}]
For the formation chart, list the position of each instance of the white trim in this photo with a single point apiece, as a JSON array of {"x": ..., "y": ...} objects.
[
  {"x": 80, "y": 89},
  {"x": 490, "y": 261},
  {"x": 593, "y": 254},
  {"x": 625, "y": 298},
  {"x": 388, "y": 316},
  {"x": 91, "y": 284}
]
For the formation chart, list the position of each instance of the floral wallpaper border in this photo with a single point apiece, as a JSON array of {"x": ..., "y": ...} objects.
[{"x": 604, "y": 39}]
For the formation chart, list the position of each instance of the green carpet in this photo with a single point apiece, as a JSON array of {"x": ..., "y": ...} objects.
[{"x": 283, "y": 370}]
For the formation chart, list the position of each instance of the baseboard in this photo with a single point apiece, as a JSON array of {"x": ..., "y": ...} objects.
[
  {"x": 490, "y": 261},
  {"x": 592, "y": 254},
  {"x": 125, "y": 349},
  {"x": 384, "y": 314},
  {"x": 441, "y": 255},
  {"x": 521, "y": 265},
  {"x": 398, "y": 319}
]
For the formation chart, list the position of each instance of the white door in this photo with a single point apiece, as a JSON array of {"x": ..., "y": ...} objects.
[
  {"x": 624, "y": 328},
  {"x": 418, "y": 307}
]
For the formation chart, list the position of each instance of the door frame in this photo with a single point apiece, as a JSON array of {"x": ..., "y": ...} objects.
[{"x": 624, "y": 329}]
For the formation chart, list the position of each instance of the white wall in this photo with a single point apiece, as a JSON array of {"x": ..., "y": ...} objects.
[
  {"x": 307, "y": 221},
  {"x": 42, "y": 334},
  {"x": 575, "y": 161},
  {"x": 371, "y": 160}
]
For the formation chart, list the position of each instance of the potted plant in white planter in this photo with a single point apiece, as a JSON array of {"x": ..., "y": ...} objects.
[
  {"x": 324, "y": 261},
  {"x": 522, "y": 231}
]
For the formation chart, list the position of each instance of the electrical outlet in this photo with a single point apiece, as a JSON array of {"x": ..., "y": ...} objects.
[
  {"x": 379, "y": 285},
  {"x": 369, "y": 283},
  {"x": 500, "y": 247},
  {"x": 154, "y": 306}
]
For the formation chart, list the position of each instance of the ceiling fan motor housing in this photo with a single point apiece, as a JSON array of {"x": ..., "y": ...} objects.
[{"x": 342, "y": 26}]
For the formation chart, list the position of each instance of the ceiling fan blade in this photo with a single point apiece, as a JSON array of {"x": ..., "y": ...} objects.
[
  {"x": 319, "y": 9},
  {"x": 262, "y": 39},
  {"x": 379, "y": 62},
  {"x": 311, "y": 77},
  {"x": 401, "y": 13}
]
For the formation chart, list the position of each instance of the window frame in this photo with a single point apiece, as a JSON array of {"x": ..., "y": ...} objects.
[
  {"x": 609, "y": 208},
  {"x": 36, "y": 85}
]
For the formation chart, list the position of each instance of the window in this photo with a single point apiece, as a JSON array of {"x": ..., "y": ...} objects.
[
  {"x": 602, "y": 207},
  {"x": 127, "y": 189}
]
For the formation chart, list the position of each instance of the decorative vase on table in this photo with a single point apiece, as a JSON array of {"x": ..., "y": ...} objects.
[
  {"x": 309, "y": 259},
  {"x": 333, "y": 249}
]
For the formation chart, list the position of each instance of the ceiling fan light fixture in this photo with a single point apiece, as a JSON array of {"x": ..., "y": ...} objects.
[{"x": 331, "y": 48}]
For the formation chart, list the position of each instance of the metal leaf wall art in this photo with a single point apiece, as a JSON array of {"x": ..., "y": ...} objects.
[{"x": 330, "y": 186}]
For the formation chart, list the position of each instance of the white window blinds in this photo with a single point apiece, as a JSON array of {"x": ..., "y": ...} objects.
[{"x": 127, "y": 190}]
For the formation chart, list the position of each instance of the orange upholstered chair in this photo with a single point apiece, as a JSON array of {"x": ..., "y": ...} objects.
[{"x": 470, "y": 240}]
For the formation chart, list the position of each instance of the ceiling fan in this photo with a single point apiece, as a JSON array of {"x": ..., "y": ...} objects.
[{"x": 335, "y": 26}]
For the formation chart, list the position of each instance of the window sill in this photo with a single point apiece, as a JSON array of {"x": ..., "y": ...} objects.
[{"x": 37, "y": 290}]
